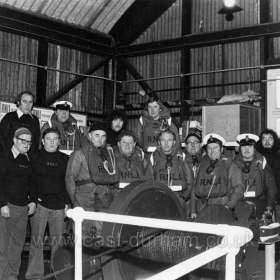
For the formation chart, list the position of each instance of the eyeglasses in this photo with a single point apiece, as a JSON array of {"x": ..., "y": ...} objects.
[
  {"x": 193, "y": 143},
  {"x": 25, "y": 142}
]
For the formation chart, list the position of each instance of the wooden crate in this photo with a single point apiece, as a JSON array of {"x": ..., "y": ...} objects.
[{"x": 230, "y": 120}]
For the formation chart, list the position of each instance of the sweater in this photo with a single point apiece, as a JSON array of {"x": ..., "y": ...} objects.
[
  {"x": 9, "y": 124},
  {"x": 48, "y": 179},
  {"x": 15, "y": 179}
]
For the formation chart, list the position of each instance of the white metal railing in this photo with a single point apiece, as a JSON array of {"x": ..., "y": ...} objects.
[{"x": 233, "y": 238}]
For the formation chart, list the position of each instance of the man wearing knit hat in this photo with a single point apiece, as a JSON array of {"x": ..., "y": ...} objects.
[
  {"x": 91, "y": 176},
  {"x": 219, "y": 180},
  {"x": 16, "y": 202},
  {"x": 260, "y": 186}
]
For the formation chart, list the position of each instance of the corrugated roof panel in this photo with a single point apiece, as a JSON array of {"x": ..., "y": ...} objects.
[
  {"x": 111, "y": 5},
  {"x": 70, "y": 8},
  {"x": 98, "y": 12},
  {"x": 114, "y": 15},
  {"x": 60, "y": 8},
  {"x": 50, "y": 7},
  {"x": 100, "y": 15},
  {"x": 70, "y": 15},
  {"x": 27, "y": 5},
  {"x": 86, "y": 12}
]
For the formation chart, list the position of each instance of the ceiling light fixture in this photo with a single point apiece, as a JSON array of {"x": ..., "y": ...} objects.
[{"x": 229, "y": 8}]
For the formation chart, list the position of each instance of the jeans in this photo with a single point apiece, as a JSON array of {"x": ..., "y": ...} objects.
[
  {"x": 12, "y": 238},
  {"x": 39, "y": 221}
]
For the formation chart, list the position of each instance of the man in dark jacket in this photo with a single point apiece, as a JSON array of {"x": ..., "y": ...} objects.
[
  {"x": 268, "y": 146},
  {"x": 21, "y": 117},
  {"x": 16, "y": 202},
  {"x": 49, "y": 188},
  {"x": 66, "y": 124},
  {"x": 260, "y": 187},
  {"x": 91, "y": 177}
]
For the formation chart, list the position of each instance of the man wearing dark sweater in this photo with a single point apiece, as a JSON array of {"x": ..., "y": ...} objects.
[
  {"x": 48, "y": 186},
  {"x": 16, "y": 202},
  {"x": 21, "y": 117}
]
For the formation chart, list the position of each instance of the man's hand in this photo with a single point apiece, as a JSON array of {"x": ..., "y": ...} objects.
[
  {"x": 31, "y": 208},
  {"x": 5, "y": 211},
  {"x": 193, "y": 215}
]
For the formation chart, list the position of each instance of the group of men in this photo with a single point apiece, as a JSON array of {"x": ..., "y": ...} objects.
[{"x": 39, "y": 179}]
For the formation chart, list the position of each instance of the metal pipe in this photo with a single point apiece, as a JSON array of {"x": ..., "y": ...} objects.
[
  {"x": 270, "y": 261},
  {"x": 234, "y": 236}
]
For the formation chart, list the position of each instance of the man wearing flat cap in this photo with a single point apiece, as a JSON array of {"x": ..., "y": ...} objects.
[
  {"x": 219, "y": 180},
  {"x": 16, "y": 201},
  {"x": 66, "y": 124},
  {"x": 260, "y": 186},
  {"x": 91, "y": 176}
]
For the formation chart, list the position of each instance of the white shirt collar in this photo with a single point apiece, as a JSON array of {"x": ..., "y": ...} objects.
[
  {"x": 20, "y": 113},
  {"x": 16, "y": 152}
]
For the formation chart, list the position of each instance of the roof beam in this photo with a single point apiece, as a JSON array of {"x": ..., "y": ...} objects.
[
  {"x": 29, "y": 25},
  {"x": 76, "y": 81},
  {"x": 138, "y": 17},
  {"x": 205, "y": 39}
]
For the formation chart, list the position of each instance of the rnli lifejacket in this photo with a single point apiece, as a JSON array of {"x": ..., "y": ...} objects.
[
  {"x": 101, "y": 164},
  {"x": 213, "y": 183},
  {"x": 131, "y": 168},
  {"x": 169, "y": 169}
]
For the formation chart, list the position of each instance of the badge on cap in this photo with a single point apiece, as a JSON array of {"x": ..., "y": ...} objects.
[
  {"x": 213, "y": 138},
  {"x": 247, "y": 139},
  {"x": 63, "y": 105}
]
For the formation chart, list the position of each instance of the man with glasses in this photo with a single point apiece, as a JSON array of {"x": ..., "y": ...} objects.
[
  {"x": 16, "y": 202},
  {"x": 21, "y": 117},
  {"x": 219, "y": 180},
  {"x": 193, "y": 150},
  {"x": 130, "y": 160}
]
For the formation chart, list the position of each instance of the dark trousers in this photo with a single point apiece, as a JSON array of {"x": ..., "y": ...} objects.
[{"x": 12, "y": 238}]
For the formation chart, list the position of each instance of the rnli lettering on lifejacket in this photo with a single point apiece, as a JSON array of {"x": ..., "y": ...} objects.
[
  {"x": 129, "y": 174},
  {"x": 209, "y": 181},
  {"x": 23, "y": 166},
  {"x": 164, "y": 177},
  {"x": 52, "y": 164}
]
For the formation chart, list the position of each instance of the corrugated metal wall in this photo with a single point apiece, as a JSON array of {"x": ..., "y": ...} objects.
[
  {"x": 15, "y": 77},
  {"x": 275, "y": 16},
  {"x": 205, "y": 17},
  {"x": 86, "y": 96}
]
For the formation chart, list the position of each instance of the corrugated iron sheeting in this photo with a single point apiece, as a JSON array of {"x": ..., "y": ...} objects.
[
  {"x": 275, "y": 16},
  {"x": 205, "y": 16},
  {"x": 152, "y": 66},
  {"x": 16, "y": 77},
  {"x": 98, "y": 15},
  {"x": 168, "y": 26},
  {"x": 229, "y": 56},
  {"x": 86, "y": 96}
]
